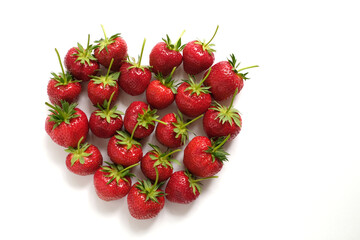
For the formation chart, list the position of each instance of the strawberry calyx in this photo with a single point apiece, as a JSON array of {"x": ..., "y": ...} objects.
[
  {"x": 216, "y": 150},
  {"x": 148, "y": 117},
  {"x": 85, "y": 55},
  {"x": 108, "y": 79},
  {"x": 105, "y": 111},
  {"x": 207, "y": 46},
  {"x": 176, "y": 46},
  {"x": 168, "y": 81},
  {"x": 235, "y": 66},
  {"x": 197, "y": 88},
  {"x": 63, "y": 113},
  {"x": 181, "y": 126},
  {"x": 63, "y": 78},
  {"x": 194, "y": 182},
  {"x": 79, "y": 153},
  {"x": 137, "y": 64},
  {"x": 103, "y": 43},
  {"x": 163, "y": 158},
  {"x": 227, "y": 114},
  {"x": 151, "y": 190},
  {"x": 117, "y": 172},
  {"x": 125, "y": 139}
]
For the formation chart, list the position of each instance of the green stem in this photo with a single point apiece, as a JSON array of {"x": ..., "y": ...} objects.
[
  {"x": 206, "y": 76},
  {"x": 201, "y": 179},
  {"x": 131, "y": 166},
  {"x": 156, "y": 179},
  {"x": 222, "y": 143},
  {"x": 193, "y": 120},
  {"x": 62, "y": 68},
  {"x": 79, "y": 143},
  {"x": 232, "y": 100},
  {"x": 133, "y": 131},
  {"x": 88, "y": 42},
  {"x": 141, "y": 54},
  {"x": 212, "y": 36},
  {"x": 247, "y": 68},
  {"x": 180, "y": 36},
  {"x": 104, "y": 32},
  {"x": 108, "y": 71},
  {"x": 172, "y": 72},
  {"x": 110, "y": 99},
  {"x": 159, "y": 121},
  {"x": 170, "y": 153}
]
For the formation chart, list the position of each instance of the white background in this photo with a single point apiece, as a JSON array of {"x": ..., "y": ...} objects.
[{"x": 294, "y": 170}]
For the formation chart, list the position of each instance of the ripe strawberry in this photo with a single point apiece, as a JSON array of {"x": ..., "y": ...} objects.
[
  {"x": 183, "y": 187},
  {"x": 140, "y": 119},
  {"x": 193, "y": 99},
  {"x": 83, "y": 160},
  {"x": 198, "y": 56},
  {"x": 165, "y": 56},
  {"x": 80, "y": 62},
  {"x": 114, "y": 47},
  {"x": 225, "y": 77},
  {"x": 63, "y": 86},
  {"x": 134, "y": 77},
  {"x": 204, "y": 157},
  {"x": 113, "y": 182},
  {"x": 104, "y": 122},
  {"x": 161, "y": 92},
  {"x": 174, "y": 133},
  {"x": 145, "y": 200},
  {"x": 159, "y": 160},
  {"x": 66, "y": 124},
  {"x": 123, "y": 149},
  {"x": 220, "y": 121},
  {"x": 100, "y": 88}
]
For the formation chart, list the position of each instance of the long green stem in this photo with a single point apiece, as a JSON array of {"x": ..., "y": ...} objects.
[
  {"x": 156, "y": 180},
  {"x": 133, "y": 131},
  {"x": 222, "y": 143},
  {"x": 104, "y": 32},
  {"x": 170, "y": 153},
  {"x": 232, "y": 100},
  {"x": 212, "y": 36},
  {"x": 108, "y": 71},
  {"x": 88, "y": 42},
  {"x": 159, "y": 121},
  {"x": 141, "y": 54},
  {"x": 201, "y": 179},
  {"x": 131, "y": 166},
  {"x": 110, "y": 99},
  {"x": 206, "y": 76},
  {"x": 193, "y": 120},
  {"x": 180, "y": 37},
  {"x": 62, "y": 68},
  {"x": 247, "y": 68}
]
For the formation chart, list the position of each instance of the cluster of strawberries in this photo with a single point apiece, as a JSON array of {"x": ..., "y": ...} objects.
[{"x": 68, "y": 125}]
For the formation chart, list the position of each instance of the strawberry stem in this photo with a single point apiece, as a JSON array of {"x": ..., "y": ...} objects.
[
  {"x": 108, "y": 71},
  {"x": 88, "y": 42},
  {"x": 159, "y": 121},
  {"x": 133, "y": 131},
  {"x": 222, "y": 143},
  {"x": 156, "y": 180},
  {"x": 232, "y": 100},
  {"x": 170, "y": 153},
  {"x": 206, "y": 76},
  {"x": 212, "y": 36},
  {"x": 180, "y": 37},
  {"x": 104, "y": 32},
  {"x": 193, "y": 120},
  {"x": 131, "y": 166},
  {"x": 201, "y": 179},
  {"x": 62, "y": 68},
  {"x": 247, "y": 68},
  {"x": 141, "y": 54},
  {"x": 109, "y": 103}
]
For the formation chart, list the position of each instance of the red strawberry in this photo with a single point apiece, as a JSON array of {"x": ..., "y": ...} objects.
[
  {"x": 83, "y": 160},
  {"x": 220, "y": 121},
  {"x": 140, "y": 119},
  {"x": 134, "y": 78},
  {"x": 112, "y": 182},
  {"x": 204, "y": 157},
  {"x": 114, "y": 47},
  {"x": 175, "y": 132},
  {"x": 225, "y": 77},
  {"x": 100, "y": 88},
  {"x": 66, "y": 124},
  {"x": 198, "y": 56},
  {"x": 145, "y": 200},
  {"x": 193, "y": 99},
  {"x": 104, "y": 122},
  {"x": 124, "y": 150},
  {"x": 80, "y": 62},
  {"x": 165, "y": 56},
  {"x": 161, "y": 92},
  {"x": 62, "y": 86},
  {"x": 183, "y": 187},
  {"x": 159, "y": 160}
]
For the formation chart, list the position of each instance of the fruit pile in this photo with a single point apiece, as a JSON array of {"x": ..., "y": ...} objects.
[{"x": 68, "y": 126}]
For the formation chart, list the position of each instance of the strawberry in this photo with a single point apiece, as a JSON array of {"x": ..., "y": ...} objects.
[
  {"x": 123, "y": 149},
  {"x": 104, "y": 122},
  {"x": 113, "y": 181},
  {"x": 183, "y": 187},
  {"x": 192, "y": 98},
  {"x": 145, "y": 200},
  {"x": 114, "y": 47},
  {"x": 140, "y": 119},
  {"x": 62, "y": 86},
  {"x": 220, "y": 121},
  {"x": 165, "y": 56},
  {"x": 198, "y": 56},
  {"x": 159, "y": 160},
  {"x": 161, "y": 92},
  {"x": 175, "y": 132},
  {"x": 100, "y": 88},
  {"x": 134, "y": 77},
  {"x": 83, "y": 160},
  {"x": 66, "y": 124},
  {"x": 225, "y": 77},
  {"x": 204, "y": 157},
  {"x": 80, "y": 62}
]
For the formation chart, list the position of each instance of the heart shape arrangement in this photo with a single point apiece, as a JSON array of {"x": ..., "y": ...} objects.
[{"x": 68, "y": 126}]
